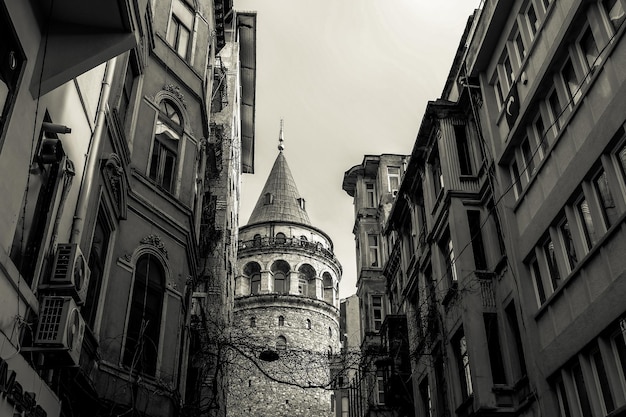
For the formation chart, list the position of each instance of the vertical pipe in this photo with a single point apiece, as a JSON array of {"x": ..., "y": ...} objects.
[{"x": 89, "y": 176}]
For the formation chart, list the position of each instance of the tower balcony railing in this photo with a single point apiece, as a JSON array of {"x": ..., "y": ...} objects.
[{"x": 289, "y": 243}]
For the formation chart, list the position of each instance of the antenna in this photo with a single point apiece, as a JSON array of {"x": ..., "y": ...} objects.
[{"x": 281, "y": 145}]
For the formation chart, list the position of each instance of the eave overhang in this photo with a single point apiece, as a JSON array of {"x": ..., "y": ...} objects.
[
  {"x": 77, "y": 36},
  {"x": 246, "y": 29}
]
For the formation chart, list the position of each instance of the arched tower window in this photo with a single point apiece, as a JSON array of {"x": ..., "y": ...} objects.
[
  {"x": 252, "y": 321},
  {"x": 253, "y": 271},
  {"x": 167, "y": 134},
  {"x": 281, "y": 321},
  {"x": 144, "y": 321},
  {"x": 308, "y": 324},
  {"x": 280, "y": 269},
  {"x": 281, "y": 343},
  {"x": 281, "y": 239},
  {"x": 306, "y": 276},
  {"x": 327, "y": 281},
  {"x": 257, "y": 241}
]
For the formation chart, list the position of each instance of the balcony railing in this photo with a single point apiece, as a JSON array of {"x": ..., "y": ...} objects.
[{"x": 285, "y": 243}]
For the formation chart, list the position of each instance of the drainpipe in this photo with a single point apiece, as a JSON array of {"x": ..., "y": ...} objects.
[{"x": 93, "y": 157}]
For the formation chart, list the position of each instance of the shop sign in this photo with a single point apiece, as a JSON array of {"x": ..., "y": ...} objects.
[{"x": 12, "y": 391}]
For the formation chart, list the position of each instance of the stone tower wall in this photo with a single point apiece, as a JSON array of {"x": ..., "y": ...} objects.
[{"x": 300, "y": 378}]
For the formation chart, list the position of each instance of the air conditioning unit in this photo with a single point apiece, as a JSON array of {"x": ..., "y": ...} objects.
[
  {"x": 70, "y": 273},
  {"x": 60, "y": 330}
]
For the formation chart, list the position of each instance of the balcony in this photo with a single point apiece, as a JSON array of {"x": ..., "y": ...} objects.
[{"x": 285, "y": 244}]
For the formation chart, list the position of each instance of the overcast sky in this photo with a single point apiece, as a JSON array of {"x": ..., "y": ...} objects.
[{"x": 350, "y": 78}]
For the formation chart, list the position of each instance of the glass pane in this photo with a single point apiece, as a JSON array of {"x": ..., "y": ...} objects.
[
  {"x": 538, "y": 282},
  {"x": 604, "y": 382},
  {"x": 581, "y": 390},
  {"x": 528, "y": 158},
  {"x": 172, "y": 31},
  {"x": 606, "y": 199},
  {"x": 589, "y": 48},
  {"x": 568, "y": 243},
  {"x": 183, "y": 42},
  {"x": 571, "y": 80},
  {"x": 552, "y": 266},
  {"x": 615, "y": 11},
  {"x": 590, "y": 232},
  {"x": 168, "y": 171}
]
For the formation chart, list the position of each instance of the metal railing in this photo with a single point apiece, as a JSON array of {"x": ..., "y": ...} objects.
[{"x": 285, "y": 242}]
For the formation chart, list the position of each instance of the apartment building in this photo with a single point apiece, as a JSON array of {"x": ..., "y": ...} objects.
[
  {"x": 106, "y": 140},
  {"x": 552, "y": 81}
]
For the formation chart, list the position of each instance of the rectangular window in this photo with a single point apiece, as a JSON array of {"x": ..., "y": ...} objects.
[
  {"x": 534, "y": 270},
  {"x": 463, "y": 150},
  {"x": 621, "y": 158},
  {"x": 393, "y": 174},
  {"x": 163, "y": 162},
  {"x": 515, "y": 180},
  {"x": 463, "y": 364},
  {"x": 607, "y": 203},
  {"x": 532, "y": 20},
  {"x": 562, "y": 397},
  {"x": 478, "y": 247},
  {"x": 518, "y": 360},
  {"x": 619, "y": 347},
  {"x": 426, "y": 398},
  {"x": 568, "y": 244},
  {"x": 540, "y": 134},
  {"x": 553, "y": 270},
  {"x": 581, "y": 390},
  {"x": 377, "y": 311},
  {"x": 499, "y": 93},
  {"x": 380, "y": 387},
  {"x": 528, "y": 157},
  {"x": 571, "y": 81},
  {"x": 602, "y": 382},
  {"x": 520, "y": 48},
  {"x": 374, "y": 252},
  {"x": 615, "y": 12},
  {"x": 96, "y": 262},
  {"x": 589, "y": 48},
  {"x": 508, "y": 71},
  {"x": 495, "y": 351},
  {"x": 587, "y": 223},
  {"x": 447, "y": 249},
  {"x": 435, "y": 167},
  {"x": 126, "y": 96},
  {"x": 180, "y": 28},
  {"x": 370, "y": 194},
  {"x": 555, "y": 109}
]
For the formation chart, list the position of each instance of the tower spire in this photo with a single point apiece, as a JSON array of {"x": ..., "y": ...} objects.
[{"x": 281, "y": 145}]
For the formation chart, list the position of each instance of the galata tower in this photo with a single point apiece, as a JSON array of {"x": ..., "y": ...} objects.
[{"x": 285, "y": 318}]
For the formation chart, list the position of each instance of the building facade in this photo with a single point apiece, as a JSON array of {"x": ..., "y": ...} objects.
[
  {"x": 374, "y": 185},
  {"x": 106, "y": 136},
  {"x": 285, "y": 329},
  {"x": 504, "y": 241},
  {"x": 559, "y": 159}
]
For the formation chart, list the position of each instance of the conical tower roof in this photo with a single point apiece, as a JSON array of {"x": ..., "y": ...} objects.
[{"x": 280, "y": 200}]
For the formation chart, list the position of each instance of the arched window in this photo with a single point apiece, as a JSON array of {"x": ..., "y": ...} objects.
[
  {"x": 167, "y": 136},
  {"x": 308, "y": 324},
  {"x": 257, "y": 241},
  {"x": 144, "y": 321},
  {"x": 281, "y": 238},
  {"x": 327, "y": 281},
  {"x": 253, "y": 271},
  {"x": 281, "y": 321},
  {"x": 330, "y": 332},
  {"x": 280, "y": 270},
  {"x": 306, "y": 275},
  {"x": 252, "y": 321},
  {"x": 281, "y": 343}
]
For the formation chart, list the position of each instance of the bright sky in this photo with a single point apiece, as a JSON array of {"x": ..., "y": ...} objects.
[{"x": 350, "y": 78}]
